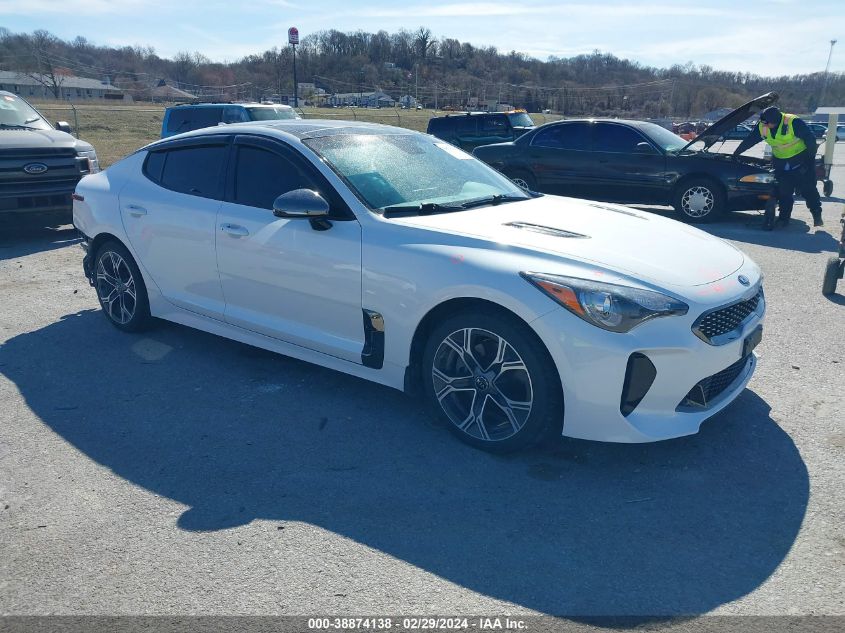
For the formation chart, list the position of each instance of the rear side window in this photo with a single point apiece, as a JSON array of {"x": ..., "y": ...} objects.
[
  {"x": 466, "y": 126},
  {"x": 153, "y": 166},
  {"x": 197, "y": 171},
  {"x": 438, "y": 125},
  {"x": 610, "y": 137},
  {"x": 570, "y": 136},
  {"x": 261, "y": 176},
  {"x": 187, "y": 119}
]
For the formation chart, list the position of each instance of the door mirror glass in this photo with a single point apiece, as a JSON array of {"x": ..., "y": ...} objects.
[
  {"x": 644, "y": 148},
  {"x": 63, "y": 126},
  {"x": 300, "y": 203}
]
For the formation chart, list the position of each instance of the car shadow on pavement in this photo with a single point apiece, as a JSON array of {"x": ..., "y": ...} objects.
[
  {"x": 574, "y": 528},
  {"x": 23, "y": 236}
]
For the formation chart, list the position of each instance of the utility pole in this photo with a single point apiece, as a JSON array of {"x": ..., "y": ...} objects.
[
  {"x": 293, "y": 39},
  {"x": 826, "y": 69}
]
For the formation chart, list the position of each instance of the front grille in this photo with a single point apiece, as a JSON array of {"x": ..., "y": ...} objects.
[
  {"x": 711, "y": 387},
  {"x": 711, "y": 327}
]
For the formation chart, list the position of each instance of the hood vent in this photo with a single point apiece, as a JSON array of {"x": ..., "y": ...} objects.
[
  {"x": 616, "y": 210},
  {"x": 546, "y": 230}
]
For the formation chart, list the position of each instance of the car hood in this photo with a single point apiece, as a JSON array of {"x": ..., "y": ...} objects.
[
  {"x": 39, "y": 139},
  {"x": 634, "y": 243},
  {"x": 731, "y": 120}
]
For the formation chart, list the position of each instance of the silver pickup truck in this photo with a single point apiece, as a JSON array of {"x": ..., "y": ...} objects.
[{"x": 39, "y": 164}]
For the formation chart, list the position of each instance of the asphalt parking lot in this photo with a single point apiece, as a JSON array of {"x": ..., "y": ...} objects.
[{"x": 175, "y": 472}]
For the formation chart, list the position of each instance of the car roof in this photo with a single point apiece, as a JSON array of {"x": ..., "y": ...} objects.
[
  {"x": 217, "y": 104},
  {"x": 293, "y": 129}
]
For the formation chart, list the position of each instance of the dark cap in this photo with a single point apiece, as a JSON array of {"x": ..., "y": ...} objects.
[{"x": 770, "y": 115}]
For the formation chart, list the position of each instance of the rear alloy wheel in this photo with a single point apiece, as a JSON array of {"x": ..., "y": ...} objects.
[
  {"x": 523, "y": 180},
  {"x": 699, "y": 200},
  {"x": 120, "y": 288},
  {"x": 493, "y": 381}
]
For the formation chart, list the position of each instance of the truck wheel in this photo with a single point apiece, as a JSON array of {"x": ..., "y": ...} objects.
[
  {"x": 827, "y": 188},
  {"x": 832, "y": 273}
]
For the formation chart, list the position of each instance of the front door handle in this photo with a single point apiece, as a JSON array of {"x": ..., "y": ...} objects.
[
  {"x": 234, "y": 229},
  {"x": 135, "y": 210}
]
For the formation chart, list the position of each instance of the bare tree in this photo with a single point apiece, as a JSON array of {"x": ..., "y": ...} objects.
[
  {"x": 423, "y": 42},
  {"x": 43, "y": 68}
]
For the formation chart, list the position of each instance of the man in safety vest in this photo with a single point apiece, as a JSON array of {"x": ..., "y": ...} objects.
[{"x": 794, "y": 159}]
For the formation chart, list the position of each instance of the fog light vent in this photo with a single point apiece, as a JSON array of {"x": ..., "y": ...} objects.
[{"x": 639, "y": 376}]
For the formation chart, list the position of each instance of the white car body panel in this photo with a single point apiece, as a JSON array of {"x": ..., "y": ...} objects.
[{"x": 290, "y": 289}]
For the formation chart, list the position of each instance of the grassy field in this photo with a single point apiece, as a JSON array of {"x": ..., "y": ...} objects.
[{"x": 118, "y": 130}]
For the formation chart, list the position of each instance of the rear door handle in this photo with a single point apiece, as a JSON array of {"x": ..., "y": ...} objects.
[
  {"x": 234, "y": 229},
  {"x": 135, "y": 210}
]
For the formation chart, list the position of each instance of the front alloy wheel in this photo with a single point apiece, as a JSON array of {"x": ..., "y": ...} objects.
[
  {"x": 120, "y": 288},
  {"x": 493, "y": 381}
]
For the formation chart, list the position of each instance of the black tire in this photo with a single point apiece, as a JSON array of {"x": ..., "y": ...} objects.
[
  {"x": 476, "y": 408},
  {"x": 523, "y": 179},
  {"x": 116, "y": 277},
  {"x": 832, "y": 272},
  {"x": 827, "y": 188},
  {"x": 699, "y": 200}
]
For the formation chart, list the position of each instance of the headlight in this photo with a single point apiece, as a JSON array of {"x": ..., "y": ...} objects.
[
  {"x": 763, "y": 179},
  {"x": 93, "y": 163},
  {"x": 608, "y": 306}
]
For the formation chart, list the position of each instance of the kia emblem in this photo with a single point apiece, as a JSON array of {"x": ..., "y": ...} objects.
[
  {"x": 744, "y": 280},
  {"x": 35, "y": 168}
]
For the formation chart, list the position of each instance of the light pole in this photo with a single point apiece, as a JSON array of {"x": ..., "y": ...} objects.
[
  {"x": 826, "y": 69},
  {"x": 293, "y": 40}
]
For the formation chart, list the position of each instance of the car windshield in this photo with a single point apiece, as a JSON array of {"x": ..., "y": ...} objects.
[
  {"x": 15, "y": 112},
  {"x": 270, "y": 113},
  {"x": 520, "y": 119},
  {"x": 413, "y": 170},
  {"x": 668, "y": 141}
]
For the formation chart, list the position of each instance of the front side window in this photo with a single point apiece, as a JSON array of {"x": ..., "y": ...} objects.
[
  {"x": 195, "y": 170},
  {"x": 400, "y": 169},
  {"x": 261, "y": 176},
  {"x": 610, "y": 137},
  {"x": 496, "y": 123}
]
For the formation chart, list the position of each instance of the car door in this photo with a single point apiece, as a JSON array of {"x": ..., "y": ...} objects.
[
  {"x": 628, "y": 166},
  {"x": 283, "y": 277},
  {"x": 169, "y": 215},
  {"x": 559, "y": 157}
]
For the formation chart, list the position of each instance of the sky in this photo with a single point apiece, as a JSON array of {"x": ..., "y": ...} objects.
[{"x": 770, "y": 38}]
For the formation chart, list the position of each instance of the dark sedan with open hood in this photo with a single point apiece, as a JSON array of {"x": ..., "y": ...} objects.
[{"x": 640, "y": 163}]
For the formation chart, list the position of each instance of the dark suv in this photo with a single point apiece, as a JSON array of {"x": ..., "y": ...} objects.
[
  {"x": 39, "y": 164},
  {"x": 473, "y": 129}
]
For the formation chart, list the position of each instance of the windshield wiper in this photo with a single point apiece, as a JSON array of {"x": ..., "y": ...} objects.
[
  {"x": 421, "y": 208},
  {"x": 491, "y": 200},
  {"x": 15, "y": 126}
]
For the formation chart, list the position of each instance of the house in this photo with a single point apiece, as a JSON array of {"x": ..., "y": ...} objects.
[
  {"x": 375, "y": 99},
  {"x": 71, "y": 88}
]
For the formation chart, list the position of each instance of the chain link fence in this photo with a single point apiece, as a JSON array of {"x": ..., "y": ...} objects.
[{"x": 116, "y": 131}]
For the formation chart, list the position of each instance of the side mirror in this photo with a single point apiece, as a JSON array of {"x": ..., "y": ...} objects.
[
  {"x": 303, "y": 203},
  {"x": 645, "y": 148},
  {"x": 64, "y": 126}
]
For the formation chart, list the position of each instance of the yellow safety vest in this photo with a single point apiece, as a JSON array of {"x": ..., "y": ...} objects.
[{"x": 783, "y": 145}]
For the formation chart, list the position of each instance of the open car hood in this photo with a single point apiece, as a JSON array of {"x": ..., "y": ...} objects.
[{"x": 731, "y": 120}]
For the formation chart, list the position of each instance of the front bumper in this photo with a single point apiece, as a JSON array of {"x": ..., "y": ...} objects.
[{"x": 690, "y": 382}]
